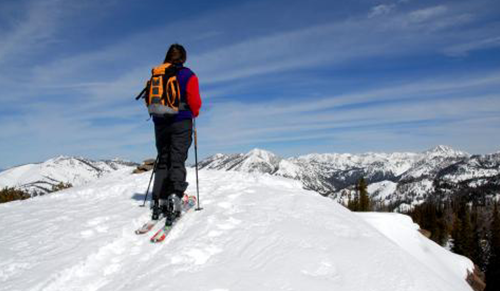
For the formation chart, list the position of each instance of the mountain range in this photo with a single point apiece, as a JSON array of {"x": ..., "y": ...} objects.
[
  {"x": 40, "y": 178},
  {"x": 398, "y": 179}
]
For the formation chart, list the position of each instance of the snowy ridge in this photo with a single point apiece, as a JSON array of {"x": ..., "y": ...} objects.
[
  {"x": 39, "y": 178},
  {"x": 256, "y": 160},
  {"x": 256, "y": 232},
  {"x": 410, "y": 175},
  {"x": 483, "y": 166}
]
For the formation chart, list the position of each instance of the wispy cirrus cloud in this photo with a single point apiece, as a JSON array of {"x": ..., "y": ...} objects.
[
  {"x": 382, "y": 9},
  {"x": 407, "y": 110},
  {"x": 399, "y": 33},
  {"x": 29, "y": 33},
  {"x": 29, "y": 27},
  {"x": 463, "y": 49}
]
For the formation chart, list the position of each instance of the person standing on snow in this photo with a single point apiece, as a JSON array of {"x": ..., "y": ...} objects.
[{"x": 173, "y": 135}]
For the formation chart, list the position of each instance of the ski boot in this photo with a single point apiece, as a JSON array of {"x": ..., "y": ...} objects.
[
  {"x": 156, "y": 210},
  {"x": 173, "y": 209}
]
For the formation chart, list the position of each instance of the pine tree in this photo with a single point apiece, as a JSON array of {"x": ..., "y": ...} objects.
[
  {"x": 364, "y": 200},
  {"x": 455, "y": 234},
  {"x": 441, "y": 229},
  {"x": 478, "y": 241},
  {"x": 462, "y": 232},
  {"x": 353, "y": 204},
  {"x": 431, "y": 217},
  {"x": 467, "y": 234},
  {"x": 493, "y": 271}
]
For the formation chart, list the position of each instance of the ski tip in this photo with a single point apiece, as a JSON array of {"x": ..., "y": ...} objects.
[{"x": 158, "y": 239}]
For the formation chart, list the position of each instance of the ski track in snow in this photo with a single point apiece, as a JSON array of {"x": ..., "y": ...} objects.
[{"x": 256, "y": 232}]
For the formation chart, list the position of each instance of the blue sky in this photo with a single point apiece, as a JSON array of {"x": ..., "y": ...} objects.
[{"x": 292, "y": 77}]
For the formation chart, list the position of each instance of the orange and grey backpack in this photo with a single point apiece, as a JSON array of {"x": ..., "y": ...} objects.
[{"x": 162, "y": 92}]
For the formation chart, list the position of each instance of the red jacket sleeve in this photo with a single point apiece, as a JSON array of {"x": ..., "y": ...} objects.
[{"x": 193, "y": 95}]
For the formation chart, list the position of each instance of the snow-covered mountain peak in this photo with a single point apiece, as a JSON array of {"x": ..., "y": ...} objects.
[
  {"x": 58, "y": 158},
  {"x": 261, "y": 154},
  {"x": 258, "y": 160},
  {"x": 120, "y": 160},
  {"x": 41, "y": 177},
  {"x": 67, "y": 160},
  {"x": 325, "y": 157},
  {"x": 444, "y": 151},
  {"x": 218, "y": 155}
]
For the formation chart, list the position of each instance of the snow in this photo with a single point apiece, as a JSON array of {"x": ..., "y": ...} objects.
[
  {"x": 400, "y": 229},
  {"x": 42, "y": 176},
  {"x": 256, "y": 232},
  {"x": 258, "y": 160},
  {"x": 382, "y": 189},
  {"x": 332, "y": 173},
  {"x": 445, "y": 151},
  {"x": 404, "y": 208},
  {"x": 288, "y": 170}
]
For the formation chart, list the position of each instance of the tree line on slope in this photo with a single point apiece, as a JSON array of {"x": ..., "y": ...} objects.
[
  {"x": 466, "y": 218},
  {"x": 463, "y": 219},
  {"x": 467, "y": 228},
  {"x": 8, "y": 194}
]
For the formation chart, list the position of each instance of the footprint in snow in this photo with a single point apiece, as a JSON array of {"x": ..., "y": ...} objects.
[{"x": 324, "y": 269}]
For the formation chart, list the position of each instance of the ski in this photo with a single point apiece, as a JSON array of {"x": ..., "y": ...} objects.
[
  {"x": 188, "y": 203},
  {"x": 146, "y": 227},
  {"x": 161, "y": 234}
]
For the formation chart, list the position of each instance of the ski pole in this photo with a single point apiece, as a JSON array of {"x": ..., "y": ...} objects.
[
  {"x": 150, "y": 179},
  {"x": 198, "y": 208}
]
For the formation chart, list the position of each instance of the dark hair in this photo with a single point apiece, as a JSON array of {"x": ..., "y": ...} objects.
[{"x": 176, "y": 55}]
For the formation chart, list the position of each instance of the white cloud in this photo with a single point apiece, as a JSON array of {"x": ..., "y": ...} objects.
[
  {"x": 37, "y": 25},
  {"x": 428, "y": 13},
  {"x": 462, "y": 49},
  {"x": 235, "y": 62},
  {"x": 29, "y": 33},
  {"x": 382, "y": 9},
  {"x": 424, "y": 103},
  {"x": 329, "y": 44},
  {"x": 421, "y": 31}
]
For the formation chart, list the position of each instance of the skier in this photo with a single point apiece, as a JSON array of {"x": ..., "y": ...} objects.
[{"x": 173, "y": 135}]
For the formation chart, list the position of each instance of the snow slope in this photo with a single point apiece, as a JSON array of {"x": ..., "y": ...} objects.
[
  {"x": 256, "y": 232},
  {"x": 404, "y": 232},
  {"x": 382, "y": 190},
  {"x": 41, "y": 177}
]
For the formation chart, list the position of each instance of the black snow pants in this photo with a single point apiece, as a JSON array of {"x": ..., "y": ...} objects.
[{"x": 173, "y": 140}]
